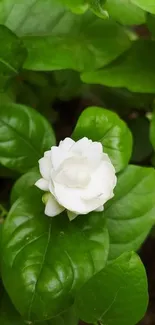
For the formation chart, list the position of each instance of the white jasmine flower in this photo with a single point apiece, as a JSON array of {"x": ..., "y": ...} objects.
[{"x": 77, "y": 176}]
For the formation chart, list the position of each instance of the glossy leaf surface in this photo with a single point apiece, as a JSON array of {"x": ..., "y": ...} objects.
[
  {"x": 134, "y": 70},
  {"x": 131, "y": 213},
  {"x": 48, "y": 259},
  {"x": 24, "y": 136},
  {"x": 105, "y": 126},
  {"x": 117, "y": 295}
]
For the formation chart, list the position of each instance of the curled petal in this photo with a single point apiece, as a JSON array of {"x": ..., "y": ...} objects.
[
  {"x": 102, "y": 182},
  {"x": 45, "y": 166},
  {"x": 100, "y": 208},
  {"x": 58, "y": 156},
  {"x": 81, "y": 146},
  {"x": 71, "y": 199},
  {"x": 52, "y": 208},
  {"x": 66, "y": 144},
  {"x": 43, "y": 184}
]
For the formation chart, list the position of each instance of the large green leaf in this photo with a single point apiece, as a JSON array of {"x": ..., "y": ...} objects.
[
  {"x": 148, "y": 5},
  {"x": 61, "y": 39},
  {"x": 31, "y": 16},
  {"x": 79, "y": 43},
  {"x": 24, "y": 183},
  {"x": 131, "y": 213},
  {"x": 105, "y": 126},
  {"x": 45, "y": 260},
  {"x": 12, "y": 55},
  {"x": 117, "y": 295},
  {"x": 24, "y": 136},
  {"x": 10, "y": 316},
  {"x": 135, "y": 70},
  {"x": 125, "y": 12}
]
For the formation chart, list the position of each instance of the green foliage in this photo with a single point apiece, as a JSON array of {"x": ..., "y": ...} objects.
[
  {"x": 23, "y": 183},
  {"x": 48, "y": 259},
  {"x": 123, "y": 298},
  {"x": 130, "y": 216},
  {"x": 102, "y": 125},
  {"x": 88, "y": 67},
  {"x": 73, "y": 45},
  {"x": 125, "y": 12},
  {"x": 24, "y": 136},
  {"x": 135, "y": 70},
  {"x": 12, "y": 55},
  {"x": 148, "y": 5}
]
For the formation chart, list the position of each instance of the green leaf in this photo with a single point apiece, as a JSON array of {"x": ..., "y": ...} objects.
[
  {"x": 131, "y": 213},
  {"x": 151, "y": 24},
  {"x": 12, "y": 55},
  {"x": 105, "y": 126},
  {"x": 68, "y": 41},
  {"x": 117, "y": 295},
  {"x": 69, "y": 84},
  {"x": 24, "y": 136},
  {"x": 125, "y": 12},
  {"x": 142, "y": 148},
  {"x": 8, "y": 314},
  {"x": 23, "y": 184},
  {"x": 32, "y": 17},
  {"x": 152, "y": 130},
  {"x": 77, "y": 6},
  {"x": 46, "y": 260},
  {"x": 148, "y": 5},
  {"x": 84, "y": 43},
  {"x": 97, "y": 7},
  {"x": 135, "y": 70}
]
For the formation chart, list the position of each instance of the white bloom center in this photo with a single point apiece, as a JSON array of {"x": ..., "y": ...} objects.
[{"x": 74, "y": 172}]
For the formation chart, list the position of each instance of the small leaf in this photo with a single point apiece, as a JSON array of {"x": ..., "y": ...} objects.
[
  {"x": 12, "y": 55},
  {"x": 135, "y": 70},
  {"x": 46, "y": 260},
  {"x": 77, "y": 6},
  {"x": 125, "y": 12},
  {"x": 117, "y": 295},
  {"x": 148, "y": 5},
  {"x": 131, "y": 213},
  {"x": 24, "y": 136},
  {"x": 97, "y": 7},
  {"x": 23, "y": 184},
  {"x": 105, "y": 126}
]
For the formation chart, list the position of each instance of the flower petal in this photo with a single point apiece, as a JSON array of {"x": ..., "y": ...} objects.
[
  {"x": 100, "y": 208},
  {"x": 58, "y": 156},
  {"x": 66, "y": 144},
  {"x": 45, "y": 166},
  {"x": 53, "y": 208},
  {"x": 81, "y": 145},
  {"x": 42, "y": 184},
  {"x": 71, "y": 199},
  {"x": 103, "y": 181}
]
